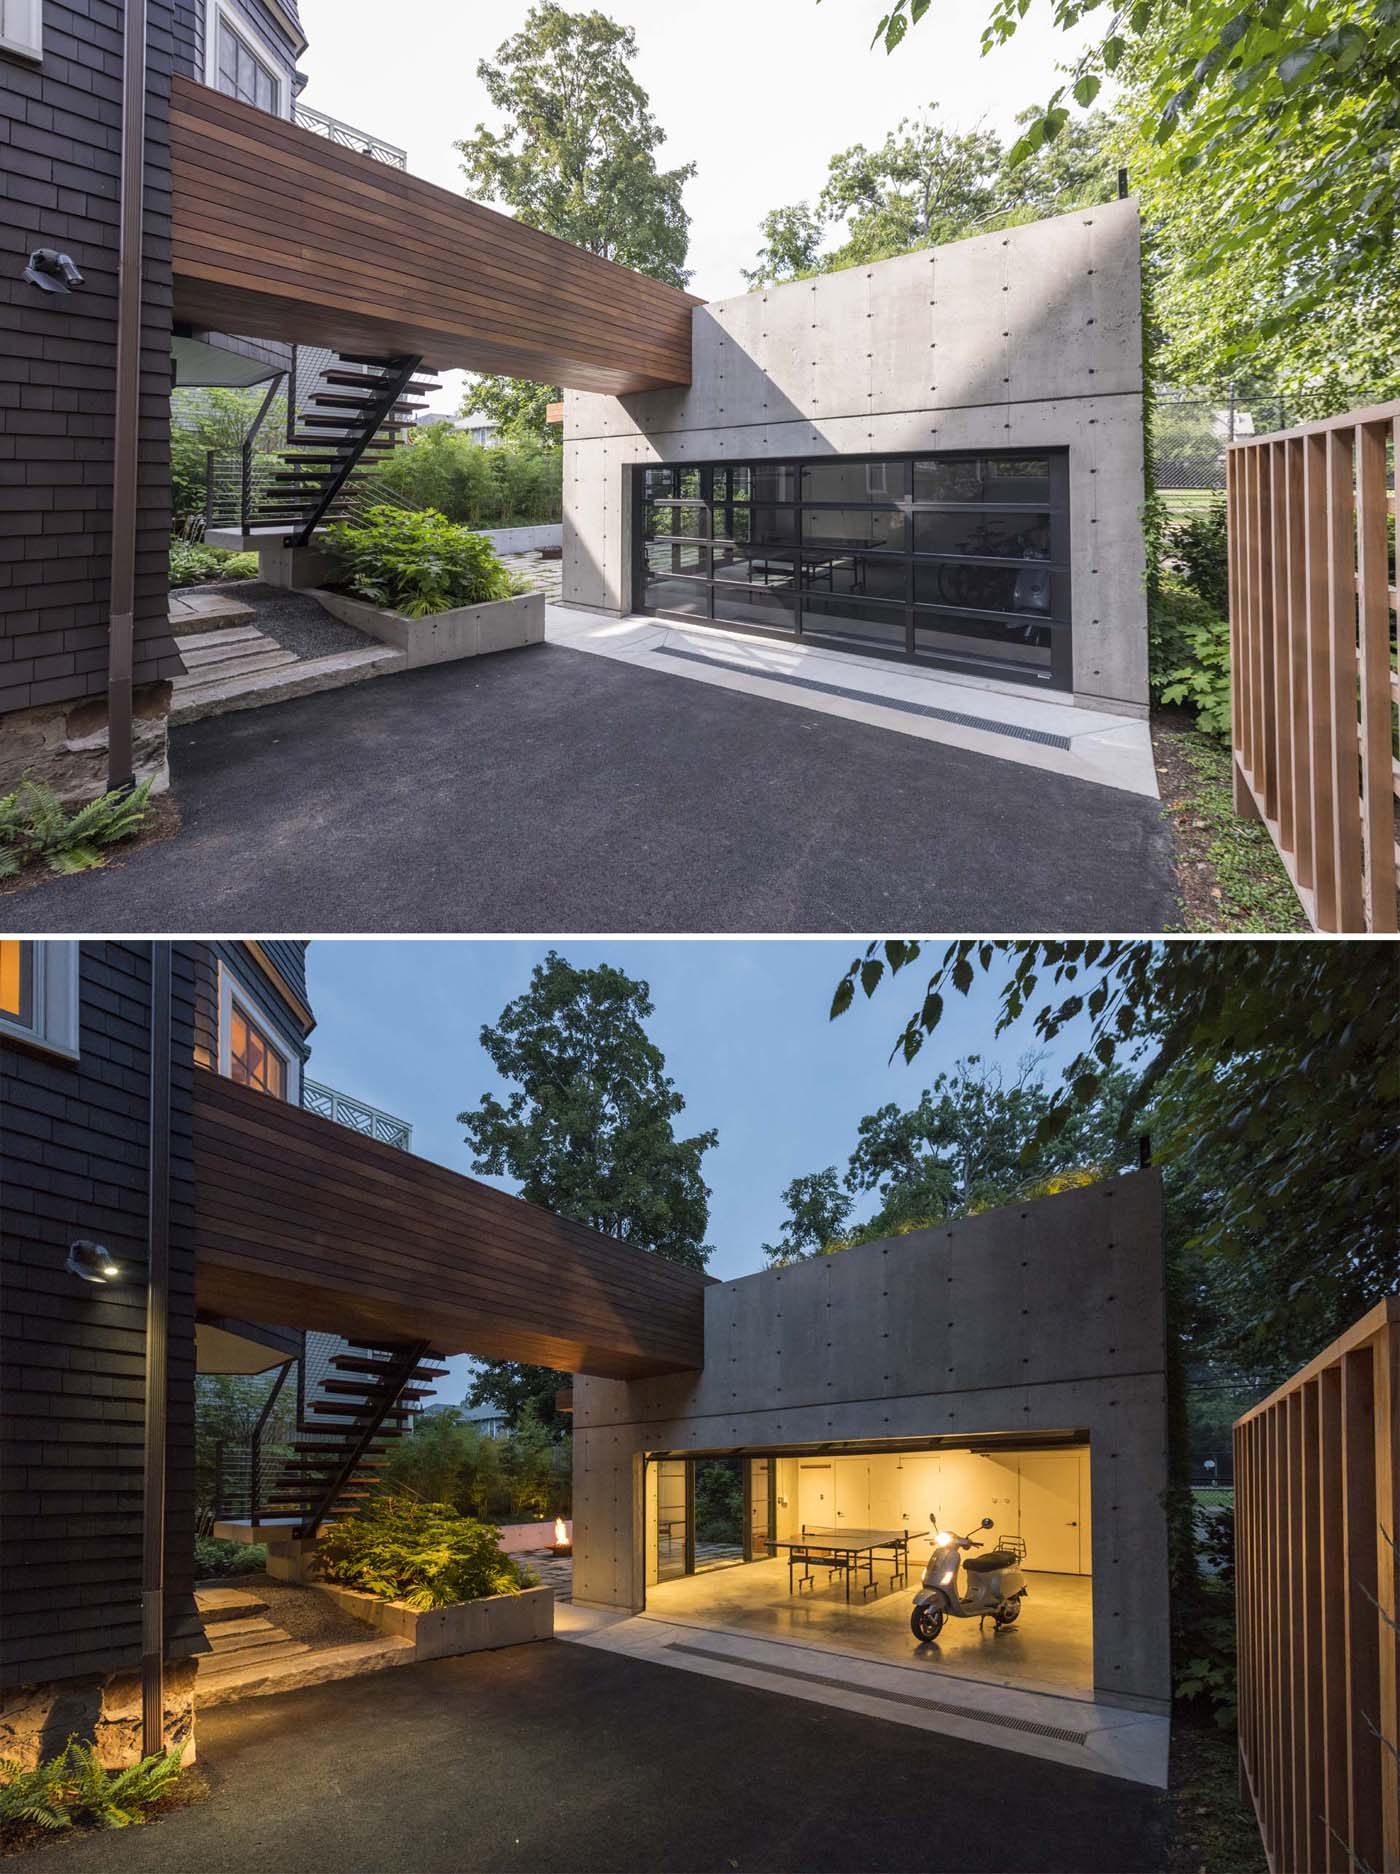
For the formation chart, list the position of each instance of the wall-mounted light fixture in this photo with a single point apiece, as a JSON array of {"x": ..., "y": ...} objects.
[
  {"x": 51, "y": 271},
  {"x": 91, "y": 1262}
]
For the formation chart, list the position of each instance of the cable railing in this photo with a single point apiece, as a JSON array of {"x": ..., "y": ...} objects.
[{"x": 350, "y": 138}]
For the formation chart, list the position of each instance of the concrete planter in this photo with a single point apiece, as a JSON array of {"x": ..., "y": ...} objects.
[
  {"x": 470, "y": 631},
  {"x": 524, "y": 539},
  {"x": 469, "y": 1627}
]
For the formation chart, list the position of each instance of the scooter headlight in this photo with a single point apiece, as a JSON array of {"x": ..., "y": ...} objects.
[{"x": 942, "y": 1540}]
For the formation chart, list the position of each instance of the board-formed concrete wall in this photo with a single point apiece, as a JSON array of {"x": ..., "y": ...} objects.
[
  {"x": 1042, "y": 1316},
  {"x": 1028, "y": 338}
]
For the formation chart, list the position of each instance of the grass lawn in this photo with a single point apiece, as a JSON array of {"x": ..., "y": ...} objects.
[{"x": 1231, "y": 876}]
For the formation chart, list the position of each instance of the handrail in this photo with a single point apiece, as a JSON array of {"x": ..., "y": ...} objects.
[
  {"x": 357, "y": 1115},
  {"x": 350, "y": 138}
]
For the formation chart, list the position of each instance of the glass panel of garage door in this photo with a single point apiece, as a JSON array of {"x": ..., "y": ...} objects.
[
  {"x": 759, "y": 1529},
  {"x": 672, "y": 1517}
]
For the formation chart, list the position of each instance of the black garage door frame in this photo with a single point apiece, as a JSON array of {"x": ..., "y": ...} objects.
[{"x": 951, "y": 559}]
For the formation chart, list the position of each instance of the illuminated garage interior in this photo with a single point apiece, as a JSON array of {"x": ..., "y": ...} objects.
[{"x": 721, "y": 1529}]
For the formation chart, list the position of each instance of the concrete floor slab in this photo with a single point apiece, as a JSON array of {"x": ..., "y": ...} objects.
[
  {"x": 1008, "y": 722},
  {"x": 1050, "y": 1649}
]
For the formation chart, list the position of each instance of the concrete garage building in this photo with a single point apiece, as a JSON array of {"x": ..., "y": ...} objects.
[
  {"x": 1010, "y": 1365},
  {"x": 936, "y": 458}
]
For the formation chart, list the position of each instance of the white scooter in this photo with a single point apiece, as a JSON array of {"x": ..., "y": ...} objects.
[{"x": 994, "y": 1587}]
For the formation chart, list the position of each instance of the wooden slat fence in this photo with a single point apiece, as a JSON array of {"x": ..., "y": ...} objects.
[
  {"x": 1312, "y": 634},
  {"x": 1316, "y": 1507}
]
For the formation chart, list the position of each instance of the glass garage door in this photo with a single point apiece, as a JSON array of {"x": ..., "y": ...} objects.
[{"x": 956, "y": 560}]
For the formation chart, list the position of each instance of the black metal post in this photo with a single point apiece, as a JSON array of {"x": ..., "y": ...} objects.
[
  {"x": 1122, "y": 185},
  {"x": 127, "y": 409},
  {"x": 218, "y": 1478},
  {"x": 157, "y": 1361},
  {"x": 209, "y": 488}
]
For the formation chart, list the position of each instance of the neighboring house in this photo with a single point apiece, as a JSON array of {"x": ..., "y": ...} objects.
[
  {"x": 488, "y": 1420},
  {"x": 480, "y": 430}
]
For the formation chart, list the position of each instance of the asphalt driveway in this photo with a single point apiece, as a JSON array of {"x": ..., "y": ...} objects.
[
  {"x": 551, "y": 790},
  {"x": 567, "y": 1757}
]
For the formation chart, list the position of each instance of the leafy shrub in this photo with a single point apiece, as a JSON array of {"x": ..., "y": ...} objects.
[
  {"x": 1204, "y": 681},
  {"x": 423, "y": 1554},
  {"x": 74, "y": 1787},
  {"x": 1174, "y": 613},
  {"x": 212, "y": 1556},
  {"x": 192, "y": 564},
  {"x": 34, "y": 825},
  {"x": 526, "y": 1477},
  {"x": 1197, "y": 549},
  {"x": 474, "y": 486},
  {"x": 416, "y": 564}
]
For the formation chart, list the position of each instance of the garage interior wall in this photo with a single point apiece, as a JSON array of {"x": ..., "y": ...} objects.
[
  {"x": 1026, "y": 338},
  {"x": 1041, "y": 1319}
]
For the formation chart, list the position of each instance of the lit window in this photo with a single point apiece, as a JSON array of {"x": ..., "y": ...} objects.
[
  {"x": 242, "y": 74},
  {"x": 39, "y": 994},
  {"x": 253, "y": 1061},
  {"x": 22, "y": 28}
]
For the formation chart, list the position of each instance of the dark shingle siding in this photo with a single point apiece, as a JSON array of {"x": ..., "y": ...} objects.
[
  {"x": 60, "y": 137},
  {"x": 73, "y": 1162}
]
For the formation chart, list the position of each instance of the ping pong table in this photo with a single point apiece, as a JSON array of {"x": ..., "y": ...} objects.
[{"x": 850, "y": 1550}]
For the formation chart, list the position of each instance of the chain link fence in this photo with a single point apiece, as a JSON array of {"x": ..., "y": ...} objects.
[{"x": 1191, "y": 431}]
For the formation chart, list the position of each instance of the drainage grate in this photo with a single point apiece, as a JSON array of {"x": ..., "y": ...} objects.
[
  {"x": 1043, "y": 736},
  {"x": 1006, "y": 1723}
]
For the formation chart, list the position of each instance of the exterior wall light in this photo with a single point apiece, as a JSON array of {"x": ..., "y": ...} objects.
[
  {"x": 90, "y": 1262},
  {"x": 51, "y": 271}
]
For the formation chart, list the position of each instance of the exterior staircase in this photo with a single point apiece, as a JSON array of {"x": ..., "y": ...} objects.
[
  {"x": 356, "y": 411},
  {"x": 345, "y": 1434}
]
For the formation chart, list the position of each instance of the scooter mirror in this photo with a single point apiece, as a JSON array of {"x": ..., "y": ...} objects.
[{"x": 986, "y": 1522}]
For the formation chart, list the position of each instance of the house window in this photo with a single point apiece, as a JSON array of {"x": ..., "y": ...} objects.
[
  {"x": 39, "y": 994},
  {"x": 242, "y": 74},
  {"x": 22, "y": 28},
  {"x": 253, "y": 1060}
]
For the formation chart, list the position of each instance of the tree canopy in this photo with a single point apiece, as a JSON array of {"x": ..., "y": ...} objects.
[
  {"x": 925, "y": 184},
  {"x": 1266, "y": 137},
  {"x": 589, "y": 1131},
  {"x": 575, "y": 156},
  {"x": 1271, "y": 1080},
  {"x": 972, "y": 1140}
]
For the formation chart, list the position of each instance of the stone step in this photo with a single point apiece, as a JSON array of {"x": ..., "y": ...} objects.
[
  {"x": 265, "y": 1675},
  {"x": 189, "y": 641},
  {"x": 216, "y": 697},
  {"x": 247, "y": 661},
  {"x": 217, "y": 1604},
  {"x": 227, "y": 1636},
  {"x": 220, "y": 1664},
  {"x": 206, "y": 611}
]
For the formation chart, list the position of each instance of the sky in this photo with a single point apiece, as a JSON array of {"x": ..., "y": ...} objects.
[
  {"x": 742, "y": 1023},
  {"x": 757, "y": 93}
]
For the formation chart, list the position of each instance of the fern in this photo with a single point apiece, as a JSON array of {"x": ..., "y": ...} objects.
[
  {"x": 35, "y": 824},
  {"x": 74, "y": 1787}
]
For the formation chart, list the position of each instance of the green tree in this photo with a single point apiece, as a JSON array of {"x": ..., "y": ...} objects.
[
  {"x": 576, "y": 157},
  {"x": 589, "y": 1131},
  {"x": 927, "y": 184},
  {"x": 969, "y": 1143},
  {"x": 1277, "y": 126},
  {"x": 792, "y": 239},
  {"x": 1272, "y": 1080},
  {"x": 518, "y": 408}
]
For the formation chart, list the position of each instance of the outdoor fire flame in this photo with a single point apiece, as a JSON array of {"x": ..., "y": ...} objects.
[{"x": 562, "y": 1544}]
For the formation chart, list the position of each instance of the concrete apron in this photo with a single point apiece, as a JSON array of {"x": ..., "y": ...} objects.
[
  {"x": 1077, "y": 1732},
  {"x": 985, "y": 716}
]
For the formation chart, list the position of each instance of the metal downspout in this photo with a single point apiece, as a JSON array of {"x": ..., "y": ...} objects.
[
  {"x": 157, "y": 1362},
  {"x": 126, "y": 449}
]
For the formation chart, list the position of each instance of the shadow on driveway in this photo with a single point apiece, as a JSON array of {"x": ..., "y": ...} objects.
[
  {"x": 549, "y": 790},
  {"x": 567, "y": 1757}
]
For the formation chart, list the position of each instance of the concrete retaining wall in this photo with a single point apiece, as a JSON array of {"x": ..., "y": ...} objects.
[
  {"x": 1026, "y": 338},
  {"x": 470, "y": 631},
  {"x": 1045, "y": 1316},
  {"x": 525, "y": 539},
  {"x": 444, "y": 1632}
]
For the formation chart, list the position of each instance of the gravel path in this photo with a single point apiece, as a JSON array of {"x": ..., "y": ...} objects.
[{"x": 297, "y": 622}]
